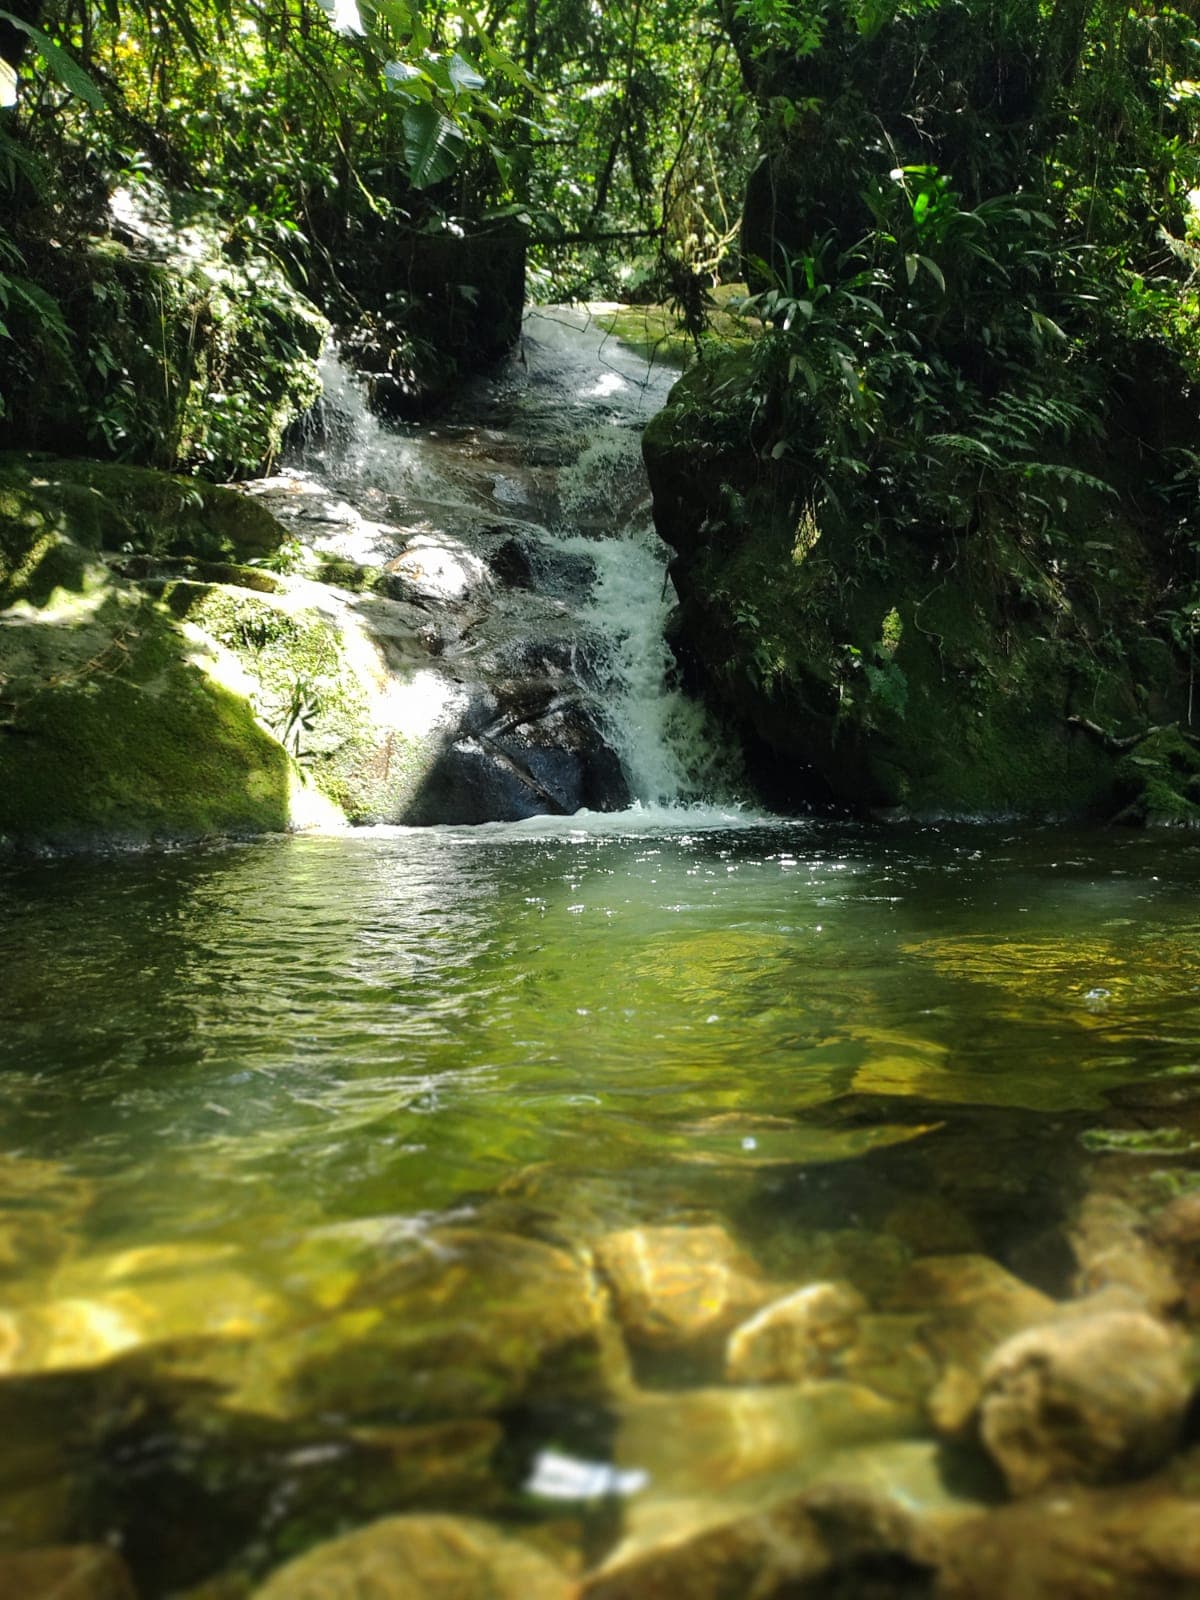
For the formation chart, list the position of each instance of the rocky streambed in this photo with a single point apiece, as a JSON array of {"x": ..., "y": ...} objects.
[{"x": 844, "y": 1410}]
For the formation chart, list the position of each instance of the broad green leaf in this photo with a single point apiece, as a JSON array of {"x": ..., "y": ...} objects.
[
  {"x": 432, "y": 145},
  {"x": 463, "y": 76},
  {"x": 68, "y": 71},
  {"x": 406, "y": 80}
]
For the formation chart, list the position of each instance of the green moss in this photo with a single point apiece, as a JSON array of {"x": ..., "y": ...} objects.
[
  {"x": 102, "y": 506},
  {"x": 349, "y": 574},
  {"x": 655, "y": 331},
  {"x": 1159, "y": 780},
  {"x": 185, "y": 357},
  {"x": 130, "y": 742}
]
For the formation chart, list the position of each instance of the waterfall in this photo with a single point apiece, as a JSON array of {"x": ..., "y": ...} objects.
[{"x": 530, "y": 494}]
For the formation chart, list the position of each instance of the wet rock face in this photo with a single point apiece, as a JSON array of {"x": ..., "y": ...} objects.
[
  {"x": 1085, "y": 1400},
  {"x": 416, "y": 1558},
  {"x": 534, "y": 752}
]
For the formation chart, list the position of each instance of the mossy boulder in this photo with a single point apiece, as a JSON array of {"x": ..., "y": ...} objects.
[
  {"x": 1159, "y": 780},
  {"x": 906, "y": 671},
  {"x": 116, "y": 728},
  {"x": 116, "y": 724},
  {"x": 102, "y": 506},
  {"x": 325, "y": 688}
]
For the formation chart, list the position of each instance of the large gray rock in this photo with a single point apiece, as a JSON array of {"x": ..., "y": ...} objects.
[{"x": 1088, "y": 1399}]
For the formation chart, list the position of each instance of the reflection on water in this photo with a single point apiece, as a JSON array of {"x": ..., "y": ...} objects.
[{"x": 309, "y": 1150}]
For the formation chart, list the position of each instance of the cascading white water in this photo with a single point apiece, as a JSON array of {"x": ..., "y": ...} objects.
[{"x": 548, "y": 454}]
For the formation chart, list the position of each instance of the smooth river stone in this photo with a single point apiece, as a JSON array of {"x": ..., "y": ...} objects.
[
  {"x": 1177, "y": 1232},
  {"x": 1137, "y": 1543},
  {"x": 420, "y": 1558},
  {"x": 859, "y": 1510},
  {"x": 795, "y": 1337},
  {"x": 462, "y": 1325},
  {"x": 695, "y": 1441},
  {"x": 1086, "y": 1399},
  {"x": 1110, "y": 1243},
  {"x": 87, "y": 1329},
  {"x": 680, "y": 1286}
]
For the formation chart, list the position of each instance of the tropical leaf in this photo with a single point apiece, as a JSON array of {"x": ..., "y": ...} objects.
[
  {"x": 464, "y": 78},
  {"x": 406, "y": 80},
  {"x": 432, "y": 145},
  {"x": 68, "y": 71}
]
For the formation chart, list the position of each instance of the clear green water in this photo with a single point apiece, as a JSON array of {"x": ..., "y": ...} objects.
[{"x": 243, "y": 1085}]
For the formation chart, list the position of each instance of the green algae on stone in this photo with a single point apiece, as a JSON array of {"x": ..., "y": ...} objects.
[
  {"x": 323, "y": 686},
  {"x": 1160, "y": 780},
  {"x": 415, "y": 1557},
  {"x": 104, "y": 506},
  {"x": 115, "y": 724},
  {"x": 116, "y": 733}
]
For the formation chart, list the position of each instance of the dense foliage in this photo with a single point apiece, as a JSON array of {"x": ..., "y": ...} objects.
[
  {"x": 352, "y": 147},
  {"x": 973, "y": 224}
]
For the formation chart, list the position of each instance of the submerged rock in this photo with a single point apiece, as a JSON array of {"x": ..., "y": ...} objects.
[
  {"x": 70, "y": 1572},
  {"x": 112, "y": 1307},
  {"x": 859, "y": 1530},
  {"x": 695, "y": 1442},
  {"x": 680, "y": 1286},
  {"x": 1088, "y": 1399},
  {"x": 1115, "y": 1252},
  {"x": 461, "y": 1325},
  {"x": 794, "y": 1337},
  {"x": 419, "y": 1558},
  {"x": 1076, "y": 1544}
]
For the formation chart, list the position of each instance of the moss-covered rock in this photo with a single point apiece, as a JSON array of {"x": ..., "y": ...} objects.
[
  {"x": 116, "y": 724},
  {"x": 103, "y": 506},
  {"x": 1159, "y": 780},
  {"x": 323, "y": 686},
  {"x": 116, "y": 727},
  {"x": 910, "y": 670}
]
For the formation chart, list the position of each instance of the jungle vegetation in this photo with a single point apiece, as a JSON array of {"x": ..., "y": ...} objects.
[{"x": 961, "y": 217}]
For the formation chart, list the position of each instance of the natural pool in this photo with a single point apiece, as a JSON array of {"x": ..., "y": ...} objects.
[{"x": 431, "y": 1170}]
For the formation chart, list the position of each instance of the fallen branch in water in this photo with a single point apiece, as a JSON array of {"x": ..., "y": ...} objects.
[{"x": 1123, "y": 742}]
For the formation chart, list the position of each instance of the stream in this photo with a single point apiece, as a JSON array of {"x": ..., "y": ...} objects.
[{"x": 442, "y": 1170}]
